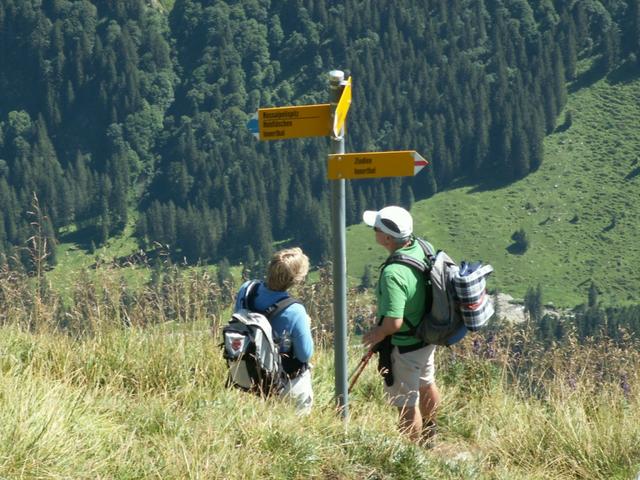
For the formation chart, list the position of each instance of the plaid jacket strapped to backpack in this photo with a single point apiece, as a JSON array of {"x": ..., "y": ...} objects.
[
  {"x": 459, "y": 300},
  {"x": 471, "y": 292}
]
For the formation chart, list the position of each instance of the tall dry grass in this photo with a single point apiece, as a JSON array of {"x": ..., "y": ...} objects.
[
  {"x": 565, "y": 411},
  {"x": 115, "y": 382}
]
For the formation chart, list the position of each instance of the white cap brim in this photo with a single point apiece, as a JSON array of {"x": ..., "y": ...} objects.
[
  {"x": 398, "y": 216},
  {"x": 369, "y": 217}
]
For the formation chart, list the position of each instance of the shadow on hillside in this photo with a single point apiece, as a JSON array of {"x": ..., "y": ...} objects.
[
  {"x": 83, "y": 238},
  {"x": 516, "y": 249},
  {"x": 612, "y": 224},
  {"x": 588, "y": 78},
  {"x": 485, "y": 184},
  {"x": 633, "y": 173},
  {"x": 625, "y": 73}
]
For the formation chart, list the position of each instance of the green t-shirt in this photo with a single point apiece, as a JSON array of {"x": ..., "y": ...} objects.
[{"x": 401, "y": 294}]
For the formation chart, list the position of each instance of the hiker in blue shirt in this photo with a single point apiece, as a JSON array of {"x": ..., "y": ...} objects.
[{"x": 292, "y": 326}]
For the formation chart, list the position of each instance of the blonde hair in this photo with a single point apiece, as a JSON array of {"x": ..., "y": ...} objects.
[{"x": 286, "y": 268}]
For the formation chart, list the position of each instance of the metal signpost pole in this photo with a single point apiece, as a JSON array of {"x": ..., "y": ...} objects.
[
  {"x": 279, "y": 123},
  {"x": 338, "y": 223}
]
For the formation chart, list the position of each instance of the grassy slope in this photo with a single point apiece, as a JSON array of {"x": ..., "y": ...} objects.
[
  {"x": 72, "y": 260},
  {"x": 583, "y": 175},
  {"x": 150, "y": 403}
]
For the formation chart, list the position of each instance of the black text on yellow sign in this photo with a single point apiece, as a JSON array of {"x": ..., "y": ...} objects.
[
  {"x": 403, "y": 163},
  {"x": 280, "y": 123}
]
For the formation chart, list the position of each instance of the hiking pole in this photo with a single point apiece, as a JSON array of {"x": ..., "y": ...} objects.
[
  {"x": 360, "y": 368},
  {"x": 357, "y": 371}
]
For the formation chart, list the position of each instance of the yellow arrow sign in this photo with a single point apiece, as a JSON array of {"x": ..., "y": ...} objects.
[
  {"x": 293, "y": 122},
  {"x": 341, "y": 110},
  {"x": 404, "y": 163}
]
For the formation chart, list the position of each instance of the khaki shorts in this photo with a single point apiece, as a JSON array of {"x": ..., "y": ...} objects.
[{"x": 411, "y": 371}]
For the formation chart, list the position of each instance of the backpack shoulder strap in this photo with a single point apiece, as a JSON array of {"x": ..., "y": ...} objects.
[
  {"x": 279, "y": 306},
  {"x": 408, "y": 261},
  {"x": 250, "y": 294},
  {"x": 421, "y": 266},
  {"x": 427, "y": 248}
]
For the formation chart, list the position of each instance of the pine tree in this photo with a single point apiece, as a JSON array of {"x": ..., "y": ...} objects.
[
  {"x": 260, "y": 235},
  {"x": 635, "y": 28},
  {"x": 593, "y": 296},
  {"x": 611, "y": 48},
  {"x": 520, "y": 162},
  {"x": 3, "y": 240},
  {"x": 105, "y": 217},
  {"x": 249, "y": 264},
  {"x": 560, "y": 85},
  {"x": 223, "y": 272},
  {"x": 367, "y": 279},
  {"x": 533, "y": 303},
  {"x": 570, "y": 51}
]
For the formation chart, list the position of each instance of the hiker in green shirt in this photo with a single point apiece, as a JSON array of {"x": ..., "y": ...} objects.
[{"x": 410, "y": 380}]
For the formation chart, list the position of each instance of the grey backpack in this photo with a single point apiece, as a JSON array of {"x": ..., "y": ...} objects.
[
  {"x": 250, "y": 349},
  {"x": 458, "y": 302}
]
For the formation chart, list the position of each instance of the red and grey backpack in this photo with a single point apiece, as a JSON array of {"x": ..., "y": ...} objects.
[{"x": 250, "y": 347}]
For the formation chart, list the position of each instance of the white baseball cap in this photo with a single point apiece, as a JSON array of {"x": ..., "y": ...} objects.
[{"x": 394, "y": 221}]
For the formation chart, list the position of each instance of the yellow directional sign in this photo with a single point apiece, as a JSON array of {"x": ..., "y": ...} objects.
[
  {"x": 404, "y": 163},
  {"x": 341, "y": 110},
  {"x": 294, "y": 122}
]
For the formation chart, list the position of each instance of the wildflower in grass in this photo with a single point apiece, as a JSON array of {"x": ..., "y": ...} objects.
[
  {"x": 624, "y": 385},
  {"x": 452, "y": 356},
  {"x": 491, "y": 348},
  {"x": 476, "y": 346},
  {"x": 571, "y": 382}
]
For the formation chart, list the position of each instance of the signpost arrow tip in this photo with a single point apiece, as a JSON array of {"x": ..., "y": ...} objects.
[{"x": 418, "y": 162}]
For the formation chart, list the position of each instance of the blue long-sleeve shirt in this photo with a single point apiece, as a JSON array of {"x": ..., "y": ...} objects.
[{"x": 293, "y": 322}]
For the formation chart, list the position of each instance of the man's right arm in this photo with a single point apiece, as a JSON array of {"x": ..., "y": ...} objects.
[
  {"x": 388, "y": 326},
  {"x": 391, "y": 304}
]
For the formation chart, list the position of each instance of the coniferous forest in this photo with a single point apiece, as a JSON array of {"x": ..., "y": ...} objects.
[{"x": 118, "y": 111}]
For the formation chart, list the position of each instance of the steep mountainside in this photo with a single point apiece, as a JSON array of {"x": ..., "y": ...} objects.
[
  {"x": 579, "y": 211},
  {"x": 133, "y": 112}
]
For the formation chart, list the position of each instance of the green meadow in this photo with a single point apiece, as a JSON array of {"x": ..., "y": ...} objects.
[{"x": 580, "y": 209}]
